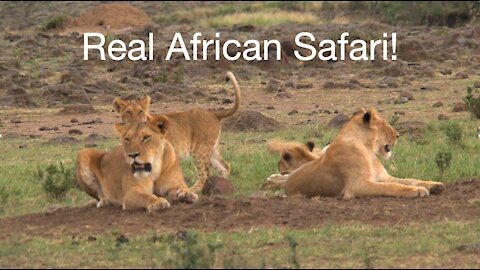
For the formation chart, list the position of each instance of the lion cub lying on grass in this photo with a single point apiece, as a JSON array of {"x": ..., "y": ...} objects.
[
  {"x": 135, "y": 174},
  {"x": 349, "y": 166},
  {"x": 195, "y": 132}
]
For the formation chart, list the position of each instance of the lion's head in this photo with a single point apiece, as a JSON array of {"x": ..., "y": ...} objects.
[
  {"x": 131, "y": 110},
  {"x": 292, "y": 155},
  {"x": 143, "y": 143},
  {"x": 382, "y": 135}
]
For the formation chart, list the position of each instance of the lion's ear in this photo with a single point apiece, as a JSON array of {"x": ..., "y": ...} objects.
[
  {"x": 367, "y": 117},
  {"x": 121, "y": 128},
  {"x": 287, "y": 156},
  {"x": 310, "y": 145},
  {"x": 118, "y": 104},
  {"x": 145, "y": 101},
  {"x": 159, "y": 123}
]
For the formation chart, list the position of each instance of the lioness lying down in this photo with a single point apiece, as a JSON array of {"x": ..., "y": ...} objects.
[
  {"x": 195, "y": 132},
  {"x": 349, "y": 167},
  {"x": 137, "y": 174}
]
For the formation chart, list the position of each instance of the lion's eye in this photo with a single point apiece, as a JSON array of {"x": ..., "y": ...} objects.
[
  {"x": 146, "y": 138},
  {"x": 141, "y": 112},
  {"x": 129, "y": 112},
  {"x": 127, "y": 140}
]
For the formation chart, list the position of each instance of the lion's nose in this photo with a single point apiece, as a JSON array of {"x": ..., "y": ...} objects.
[{"x": 134, "y": 155}]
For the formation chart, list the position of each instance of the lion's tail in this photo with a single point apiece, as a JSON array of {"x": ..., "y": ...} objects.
[
  {"x": 234, "y": 109},
  {"x": 275, "y": 182}
]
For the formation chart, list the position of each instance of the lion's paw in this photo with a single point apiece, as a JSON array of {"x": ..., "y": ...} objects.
[
  {"x": 187, "y": 196},
  {"x": 422, "y": 192},
  {"x": 160, "y": 204}
]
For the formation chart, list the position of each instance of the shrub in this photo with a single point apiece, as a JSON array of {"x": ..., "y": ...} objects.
[
  {"x": 454, "y": 133},
  {"x": 54, "y": 23},
  {"x": 190, "y": 253},
  {"x": 56, "y": 180},
  {"x": 473, "y": 102},
  {"x": 292, "y": 243},
  {"x": 443, "y": 160}
]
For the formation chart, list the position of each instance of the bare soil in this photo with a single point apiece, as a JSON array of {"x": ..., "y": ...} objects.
[{"x": 459, "y": 202}]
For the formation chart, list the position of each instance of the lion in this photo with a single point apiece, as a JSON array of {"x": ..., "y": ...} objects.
[
  {"x": 292, "y": 154},
  {"x": 195, "y": 132},
  {"x": 350, "y": 167},
  {"x": 137, "y": 174}
]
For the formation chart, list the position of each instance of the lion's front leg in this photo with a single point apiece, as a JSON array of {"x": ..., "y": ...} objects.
[
  {"x": 383, "y": 176},
  {"x": 137, "y": 199},
  {"x": 367, "y": 188}
]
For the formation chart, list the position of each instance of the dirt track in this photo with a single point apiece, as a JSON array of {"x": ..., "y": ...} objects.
[{"x": 458, "y": 202}]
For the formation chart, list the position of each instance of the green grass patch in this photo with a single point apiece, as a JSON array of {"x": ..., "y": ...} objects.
[{"x": 352, "y": 246}]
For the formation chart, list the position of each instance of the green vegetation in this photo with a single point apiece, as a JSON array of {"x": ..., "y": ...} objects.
[
  {"x": 55, "y": 22},
  {"x": 263, "y": 14},
  {"x": 56, "y": 180},
  {"x": 347, "y": 246},
  {"x": 473, "y": 102}
]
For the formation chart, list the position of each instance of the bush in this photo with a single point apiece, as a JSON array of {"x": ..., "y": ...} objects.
[
  {"x": 54, "y": 23},
  {"x": 443, "y": 160},
  {"x": 454, "y": 133},
  {"x": 56, "y": 180},
  {"x": 473, "y": 102},
  {"x": 190, "y": 253}
]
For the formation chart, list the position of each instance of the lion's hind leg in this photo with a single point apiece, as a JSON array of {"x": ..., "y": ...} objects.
[{"x": 88, "y": 173}]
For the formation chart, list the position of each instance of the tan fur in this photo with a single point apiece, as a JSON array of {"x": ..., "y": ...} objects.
[
  {"x": 195, "y": 133},
  {"x": 108, "y": 175},
  {"x": 292, "y": 154},
  {"x": 349, "y": 167}
]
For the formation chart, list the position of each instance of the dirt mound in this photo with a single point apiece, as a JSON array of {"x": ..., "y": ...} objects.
[
  {"x": 458, "y": 202},
  {"x": 250, "y": 120},
  {"x": 114, "y": 17}
]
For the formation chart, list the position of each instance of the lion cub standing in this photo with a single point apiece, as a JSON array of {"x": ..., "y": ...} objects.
[
  {"x": 194, "y": 132},
  {"x": 136, "y": 174},
  {"x": 349, "y": 166}
]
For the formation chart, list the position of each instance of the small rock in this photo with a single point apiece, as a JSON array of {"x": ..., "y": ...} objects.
[
  {"x": 75, "y": 132},
  {"x": 446, "y": 72},
  {"x": 270, "y": 107},
  {"x": 293, "y": 112},
  {"x": 476, "y": 84},
  {"x": 74, "y": 120},
  {"x": 22, "y": 146},
  {"x": 407, "y": 95},
  {"x": 91, "y": 238},
  {"x": 52, "y": 208},
  {"x": 91, "y": 145},
  {"x": 442, "y": 117},
  {"x": 338, "y": 120},
  {"x": 438, "y": 104},
  {"x": 461, "y": 75},
  {"x": 291, "y": 83},
  {"x": 284, "y": 94},
  {"x": 460, "y": 107},
  {"x": 227, "y": 101},
  {"x": 399, "y": 113},
  {"x": 16, "y": 121},
  {"x": 216, "y": 185},
  {"x": 275, "y": 86},
  {"x": 122, "y": 239}
]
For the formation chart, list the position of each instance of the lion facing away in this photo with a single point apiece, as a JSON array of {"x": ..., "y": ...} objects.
[
  {"x": 137, "y": 174},
  {"x": 195, "y": 132},
  {"x": 349, "y": 166}
]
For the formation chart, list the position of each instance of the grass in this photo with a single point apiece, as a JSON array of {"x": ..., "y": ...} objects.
[
  {"x": 348, "y": 245},
  {"x": 352, "y": 246},
  {"x": 414, "y": 157},
  {"x": 262, "y": 19}
]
